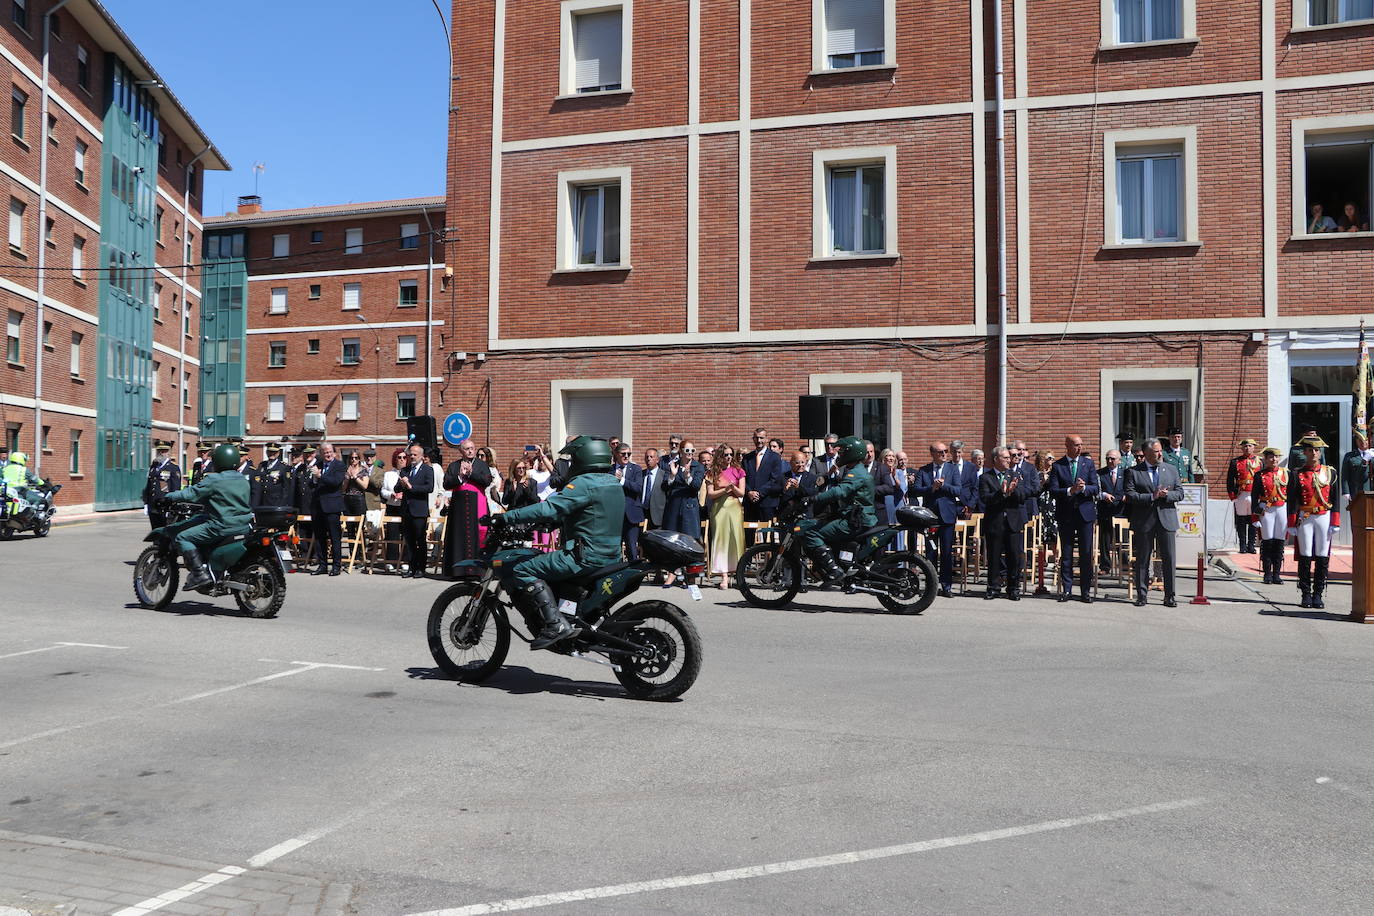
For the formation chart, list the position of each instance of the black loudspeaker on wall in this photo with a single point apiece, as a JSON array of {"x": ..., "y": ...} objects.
[
  {"x": 811, "y": 413},
  {"x": 421, "y": 430}
]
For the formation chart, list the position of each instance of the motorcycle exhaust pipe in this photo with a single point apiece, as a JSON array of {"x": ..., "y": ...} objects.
[
  {"x": 595, "y": 661},
  {"x": 853, "y": 589}
]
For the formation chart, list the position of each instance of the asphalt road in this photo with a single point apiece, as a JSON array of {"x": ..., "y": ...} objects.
[{"x": 982, "y": 758}]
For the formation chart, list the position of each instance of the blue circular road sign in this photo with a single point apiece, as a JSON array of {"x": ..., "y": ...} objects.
[{"x": 457, "y": 427}]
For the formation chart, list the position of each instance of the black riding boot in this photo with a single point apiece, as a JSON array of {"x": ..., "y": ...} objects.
[
  {"x": 1251, "y": 536},
  {"x": 825, "y": 564},
  {"x": 199, "y": 575},
  {"x": 537, "y": 600},
  {"x": 1319, "y": 582},
  {"x": 1276, "y": 557},
  {"x": 1241, "y": 527},
  {"x": 1305, "y": 581}
]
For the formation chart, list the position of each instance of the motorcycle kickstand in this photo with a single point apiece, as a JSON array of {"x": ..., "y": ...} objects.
[{"x": 582, "y": 656}]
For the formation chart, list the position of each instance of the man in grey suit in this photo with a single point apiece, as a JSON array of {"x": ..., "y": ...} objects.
[
  {"x": 1152, "y": 489},
  {"x": 652, "y": 495}
]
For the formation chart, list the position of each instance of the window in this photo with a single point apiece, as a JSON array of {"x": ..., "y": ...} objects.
[
  {"x": 76, "y": 354},
  {"x": 281, "y": 245},
  {"x": 83, "y": 68},
  {"x": 409, "y": 293},
  {"x": 186, "y": 320},
  {"x": 276, "y": 408},
  {"x": 1338, "y": 12},
  {"x": 352, "y": 296},
  {"x": 12, "y": 436},
  {"x": 591, "y": 407},
  {"x": 405, "y": 405},
  {"x": 18, "y": 105},
  {"x": 348, "y": 407},
  {"x": 14, "y": 326},
  {"x": 593, "y": 219},
  {"x": 353, "y": 241},
  {"x": 19, "y": 12},
  {"x": 79, "y": 165},
  {"x": 278, "y": 306},
  {"x": 157, "y": 302},
  {"x": 855, "y": 202},
  {"x": 410, "y": 235},
  {"x": 43, "y": 444},
  {"x": 157, "y": 379},
  {"x": 52, "y": 130},
  {"x": 1150, "y": 408},
  {"x": 162, "y": 147},
  {"x": 312, "y": 345},
  {"x": 186, "y": 389},
  {"x": 316, "y": 236},
  {"x": 74, "y": 458},
  {"x": 276, "y": 354},
  {"x": 596, "y": 46},
  {"x": 48, "y": 225},
  {"x": 314, "y": 290},
  {"x": 405, "y": 349},
  {"x": 1333, "y": 174},
  {"x": 352, "y": 351},
  {"x": 55, "y": 25},
  {"x": 853, "y": 33},
  {"x": 1151, "y": 186},
  {"x": 190, "y": 246},
  {"x": 78, "y": 256},
  {"x": 47, "y": 335},
  {"x": 157, "y": 226},
  {"x": 17, "y": 209},
  {"x": 1148, "y": 20}
]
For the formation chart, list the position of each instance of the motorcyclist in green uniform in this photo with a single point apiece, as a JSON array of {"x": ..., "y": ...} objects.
[
  {"x": 19, "y": 480},
  {"x": 853, "y": 493},
  {"x": 590, "y": 510},
  {"x": 225, "y": 495}
]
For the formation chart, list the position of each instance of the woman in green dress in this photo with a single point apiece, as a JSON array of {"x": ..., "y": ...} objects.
[{"x": 724, "y": 492}]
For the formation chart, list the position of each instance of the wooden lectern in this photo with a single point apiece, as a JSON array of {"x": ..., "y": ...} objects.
[{"x": 1362, "y": 570}]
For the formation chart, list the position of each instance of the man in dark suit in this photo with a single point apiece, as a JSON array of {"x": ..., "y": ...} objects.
[
  {"x": 1073, "y": 484},
  {"x": 1111, "y": 501},
  {"x": 764, "y": 473},
  {"x": 799, "y": 483},
  {"x": 415, "y": 483},
  {"x": 1003, "y": 492},
  {"x": 652, "y": 494},
  {"x": 326, "y": 507},
  {"x": 826, "y": 466},
  {"x": 1152, "y": 489},
  {"x": 942, "y": 491},
  {"x": 631, "y": 477},
  {"x": 967, "y": 473}
]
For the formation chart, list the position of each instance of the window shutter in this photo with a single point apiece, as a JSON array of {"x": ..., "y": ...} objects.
[
  {"x": 281, "y": 246},
  {"x": 1144, "y": 392},
  {"x": 352, "y": 293},
  {"x": 592, "y": 413},
  {"x": 596, "y": 44},
  {"x": 853, "y": 25},
  {"x": 279, "y": 300}
]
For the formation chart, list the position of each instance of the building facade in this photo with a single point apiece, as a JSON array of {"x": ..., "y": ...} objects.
[
  {"x": 321, "y": 322},
  {"x": 103, "y": 174},
  {"x": 680, "y": 217}
]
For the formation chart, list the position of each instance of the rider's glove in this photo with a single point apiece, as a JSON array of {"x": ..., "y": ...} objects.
[{"x": 496, "y": 522}]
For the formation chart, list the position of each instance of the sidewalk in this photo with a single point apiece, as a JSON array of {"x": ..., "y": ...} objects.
[
  {"x": 61, "y": 519},
  {"x": 1339, "y": 569}
]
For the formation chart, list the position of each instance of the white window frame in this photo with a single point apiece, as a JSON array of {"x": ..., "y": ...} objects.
[
  {"x": 278, "y": 304},
  {"x": 186, "y": 389},
  {"x": 566, "y": 254},
  {"x": 1302, "y": 128},
  {"x": 414, "y": 403},
  {"x": 850, "y": 384},
  {"x": 350, "y": 246},
  {"x": 1301, "y": 22},
  {"x": 273, "y": 347},
  {"x": 79, "y": 162},
  {"x": 358, "y": 301},
  {"x": 78, "y": 257},
  {"x": 276, "y": 408},
  {"x": 559, "y": 387},
  {"x": 1193, "y": 417},
  {"x": 820, "y": 60},
  {"x": 281, "y": 245},
  {"x": 1109, "y": 39},
  {"x": 157, "y": 380},
  {"x": 77, "y": 339},
  {"x": 567, "y": 60},
  {"x": 350, "y": 400},
  {"x": 14, "y": 331},
  {"x": 822, "y": 161},
  {"x": 1139, "y": 138},
  {"x": 16, "y": 229},
  {"x": 402, "y": 341}
]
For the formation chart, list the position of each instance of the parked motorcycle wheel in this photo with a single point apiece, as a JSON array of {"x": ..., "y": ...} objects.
[
  {"x": 466, "y": 653},
  {"x": 916, "y": 582},
  {"x": 156, "y": 577},
  {"x": 266, "y": 591},
  {"x": 766, "y": 578},
  {"x": 6, "y": 532},
  {"x": 676, "y": 644}
]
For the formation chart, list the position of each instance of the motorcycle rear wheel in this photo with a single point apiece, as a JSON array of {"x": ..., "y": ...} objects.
[
  {"x": 676, "y": 660},
  {"x": 919, "y": 582},
  {"x": 766, "y": 578},
  {"x": 473, "y": 656},
  {"x": 266, "y": 589},
  {"x": 40, "y": 528},
  {"x": 156, "y": 577}
]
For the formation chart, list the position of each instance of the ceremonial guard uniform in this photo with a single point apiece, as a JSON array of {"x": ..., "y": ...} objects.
[
  {"x": 163, "y": 477},
  {"x": 274, "y": 483},
  {"x": 1313, "y": 517},
  {"x": 201, "y": 466},
  {"x": 1269, "y": 513},
  {"x": 1178, "y": 456},
  {"x": 1240, "y": 480}
]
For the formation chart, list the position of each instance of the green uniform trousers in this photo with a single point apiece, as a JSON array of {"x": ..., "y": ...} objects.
[
  {"x": 558, "y": 566},
  {"x": 831, "y": 534}
]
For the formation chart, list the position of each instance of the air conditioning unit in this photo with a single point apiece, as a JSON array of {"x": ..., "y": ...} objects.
[{"x": 314, "y": 422}]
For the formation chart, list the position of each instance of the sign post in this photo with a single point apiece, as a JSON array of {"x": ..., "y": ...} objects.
[
  {"x": 1191, "y": 539},
  {"x": 457, "y": 427}
]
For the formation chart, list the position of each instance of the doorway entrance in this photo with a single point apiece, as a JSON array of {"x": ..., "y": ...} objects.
[{"x": 1329, "y": 415}]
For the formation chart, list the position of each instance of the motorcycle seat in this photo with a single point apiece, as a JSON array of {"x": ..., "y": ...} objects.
[
  {"x": 603, "y": 571},
  {"x": 876, "y": 529}
]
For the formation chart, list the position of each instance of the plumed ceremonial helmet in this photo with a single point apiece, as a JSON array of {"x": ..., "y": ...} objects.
[
  {"x": 852, "y": 450},
  {"x": 587, "y": 454},
  {"x": 225, "y": 457}
]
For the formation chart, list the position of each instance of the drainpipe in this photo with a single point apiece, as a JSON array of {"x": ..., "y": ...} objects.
[
  {"x": 181, "y": 337},
  {"x": 429, "y": 307},
  {"x": 42, "y": 242},
  {"x": 1000, "y": 135}
]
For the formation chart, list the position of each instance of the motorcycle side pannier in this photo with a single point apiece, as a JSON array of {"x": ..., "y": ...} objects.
[
  {"x": 671, "y": 549},
  {"x": 274, "y": 518},
  {"x": 916, "y": 517}
]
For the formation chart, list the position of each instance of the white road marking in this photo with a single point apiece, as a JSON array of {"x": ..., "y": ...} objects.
[
  {"x": 168, "y": 898},
  {"x": 239, "y": 686},
  {"x": 61, "y": 645},
  {"x": 778, "y": 868},
  {"x": 268, "y": 856},
  {"x": 325, "y": 665},
  {"x": 31, "y": 651},
  {"x": 1322, "y": 780}
]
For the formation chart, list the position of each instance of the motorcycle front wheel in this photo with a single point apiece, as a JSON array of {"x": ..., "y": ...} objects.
[
  {"x": 910, "y": 580},
  {"x": 468, "y": 639},
  {"x": 767, "y": 577},
  {"x": 40, "y": 528},
  {"x": 672, "y": 657},
  {"x": 156, "y": 577},
  {"x": 266, "y": 591}
]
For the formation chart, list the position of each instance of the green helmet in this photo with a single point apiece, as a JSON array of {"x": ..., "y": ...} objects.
[
  {"x": 588, "y": 454},
  {"x": 19, "y": 458},
  {"x": 852, "y": 450},
  {"x": 225, "y": 457}
]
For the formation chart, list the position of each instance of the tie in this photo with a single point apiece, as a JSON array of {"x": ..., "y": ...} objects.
[
  {"x": 648, "y": 482},
  {"x": 1074, "y": 469},
  {"x": 1154, "y": 476}
]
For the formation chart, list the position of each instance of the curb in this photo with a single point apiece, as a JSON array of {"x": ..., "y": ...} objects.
[{"x": 60, "y": 520}]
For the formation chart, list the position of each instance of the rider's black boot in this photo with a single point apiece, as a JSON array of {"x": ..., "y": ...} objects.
[
  {"x": 825, "y": 564},
  {"x": 538, "y": 600},
  {"x": 199, "y": 575}
]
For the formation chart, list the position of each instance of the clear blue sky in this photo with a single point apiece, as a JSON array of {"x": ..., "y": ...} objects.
[{"x": 344, "y": 100}]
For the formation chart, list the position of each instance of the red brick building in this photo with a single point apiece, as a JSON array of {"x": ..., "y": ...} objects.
[
  {"x": 680, "y": 216},
  {"x": 102, "y": 177},
  {"x": 342, "y": 335}
]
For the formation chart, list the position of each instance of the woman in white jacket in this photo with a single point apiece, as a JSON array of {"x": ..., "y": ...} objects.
[{"x": 391, "y": 508}]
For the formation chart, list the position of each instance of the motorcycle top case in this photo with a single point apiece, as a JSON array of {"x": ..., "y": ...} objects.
[
  {"x": 274, "y": 518},
  {"x": 916, "y": 517},
  {"x": 671, "y": 549}
]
